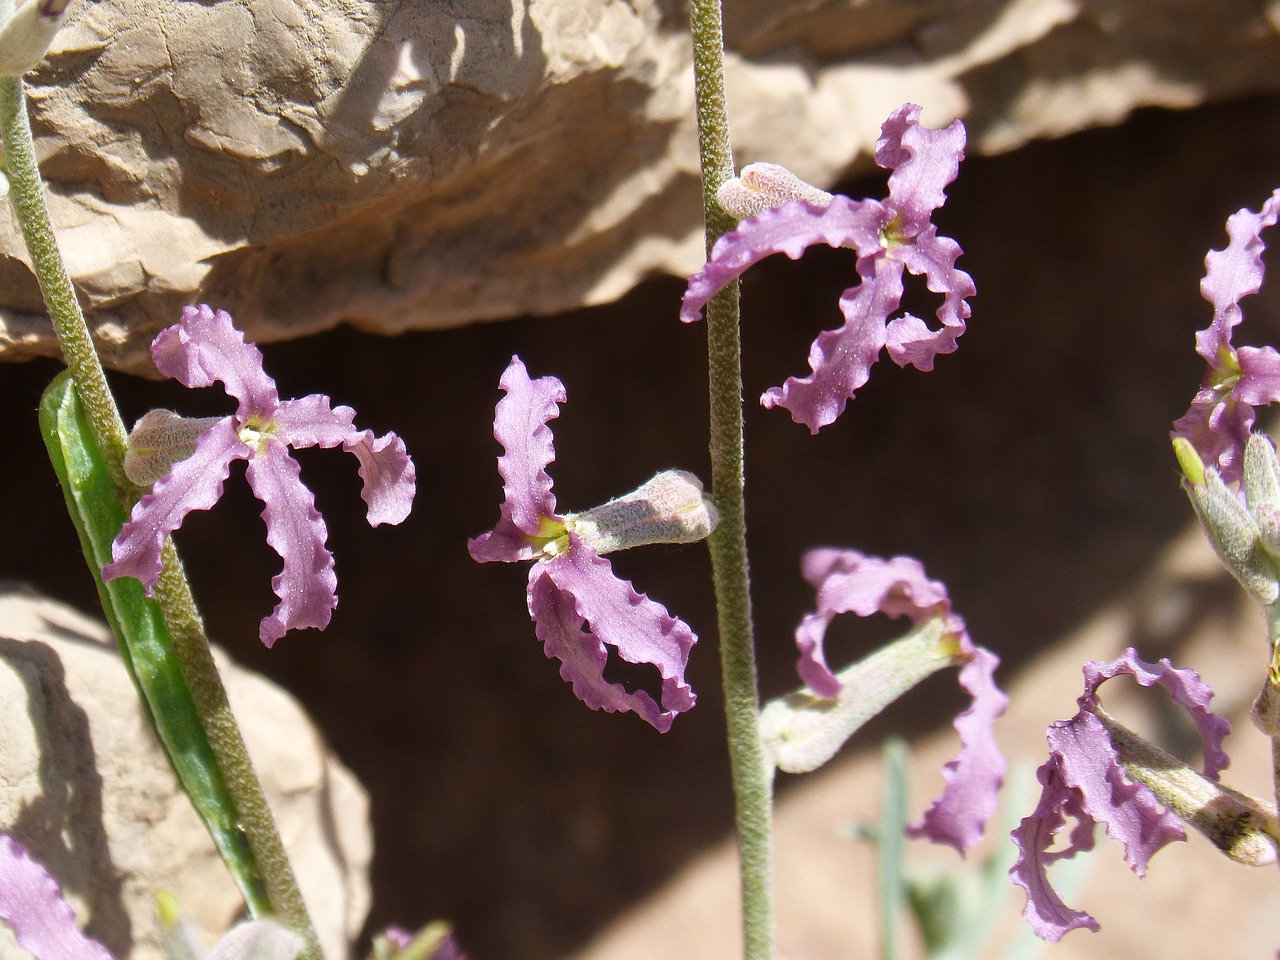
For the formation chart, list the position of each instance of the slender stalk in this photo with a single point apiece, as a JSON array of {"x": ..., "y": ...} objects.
[
  {"x": 752, "y": 776},
  {"x": 26, "y": 194}
]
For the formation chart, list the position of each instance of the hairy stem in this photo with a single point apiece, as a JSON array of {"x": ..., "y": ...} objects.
[
  {"x": 752, "y": 776},
  {"x": 26, "y": 195}
]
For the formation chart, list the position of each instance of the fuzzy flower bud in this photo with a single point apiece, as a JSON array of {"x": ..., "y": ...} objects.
[
  {"x": 1229, "y": 524},
  {"x": 670, "y": 508},
  {"x": 158, "y": 441},
  {"x": 1261, "y": 483},
  {"x": 762, "y": 186},
  {"x": 26, "y": 36}
]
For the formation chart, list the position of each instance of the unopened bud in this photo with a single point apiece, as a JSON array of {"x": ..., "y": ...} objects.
[
  {"x": 158, "y": 441},
  {"x": 1229, "y": 525},
  {"x": 670, "y": 508},
  {"x": 761, "y": 186},
  {"x": 1261, "y": 481},
  {"x": 26, "y": 35}
]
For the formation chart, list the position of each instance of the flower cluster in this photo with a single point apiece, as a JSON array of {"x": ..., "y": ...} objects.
[
  {"x": 193, "y": 464},
  {"x": 804, "y": 730},
  {"x": 577, "y": 603},
  {"x": 890, "y": 237}
]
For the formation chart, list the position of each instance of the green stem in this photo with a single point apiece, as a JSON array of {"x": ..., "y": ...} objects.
[
  {"x": 752, "y": 775},
  {"x": 26, "y": 194}
]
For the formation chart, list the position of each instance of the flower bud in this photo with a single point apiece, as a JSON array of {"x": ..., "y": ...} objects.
[
  {"x": 26, "y": 36},
  {"x": 670, "y": 508},
  {"x": 764, "y": 185},
  {"x": 1261, "y": 482},
  {"x": 158, "y": 441},
  {"x": 1230, "y": 526}
]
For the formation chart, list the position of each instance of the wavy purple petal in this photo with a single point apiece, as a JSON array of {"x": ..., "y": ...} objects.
[
  {"x": 579, "y": 588},
  {"x": 313, "y": 421},
  {"x": 1184, "y": 687},
  {"x": 32, "y": 906},
  {"x": 840, "y": 360},
  {"x": 791, "y": 229},
  {"x": 192, "y": 484},
  {"x": 846, "y": 581},
  {"x": 520, "y": 425},
  {"x": 908, "y": 339},
  {"x": 973, "y": 779},
  {"x": 1129, "y": 810},
  {"x": 1259, "y": 382},
  {"x": 388, "y": 474},
  {"x": 1233, "y": 273},
  {"x": 205, "y": 347},
  {"x": 923, "y": 162},
  {"x": 1221, "y": 415},
  {"x": 1045, "y": 911},
  {"x": 307, "y": 585}
]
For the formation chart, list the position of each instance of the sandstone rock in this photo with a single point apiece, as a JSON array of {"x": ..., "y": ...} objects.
[
  {"x": 89, "y": 793},
  {"x": 397, "y": 165}
]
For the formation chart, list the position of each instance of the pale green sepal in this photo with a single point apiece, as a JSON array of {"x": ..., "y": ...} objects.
[
  {"x": 669, "y": 508},
  {"x": 761, "y": 186},
  {"x": 1242, "y": 827},
  {"x": 802, "y": 730},
  {"x": 1261, "y": 479},
  {"x": 26, "y": 36},
  {"x": 1235, "y": 536},
  {"x": 158, "y": 441},
  {"x": 1261, "y": 471}
]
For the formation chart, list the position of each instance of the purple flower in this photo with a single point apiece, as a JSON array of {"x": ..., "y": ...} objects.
[
  {"x": 804, "y": 730},
  {"x": 888, "y": 238},
  {"x": 1084, "y": 779},
  {"x": 32, "y": 905},
  {"x": 204, "y": 348},
  {"x": 1237, "y": 380},
  {"x": 577, "y": 603}
]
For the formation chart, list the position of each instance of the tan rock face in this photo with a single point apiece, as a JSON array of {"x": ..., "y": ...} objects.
[
  {"x": 401, "y": 165},
  {"x": 89, "y": 793}
]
